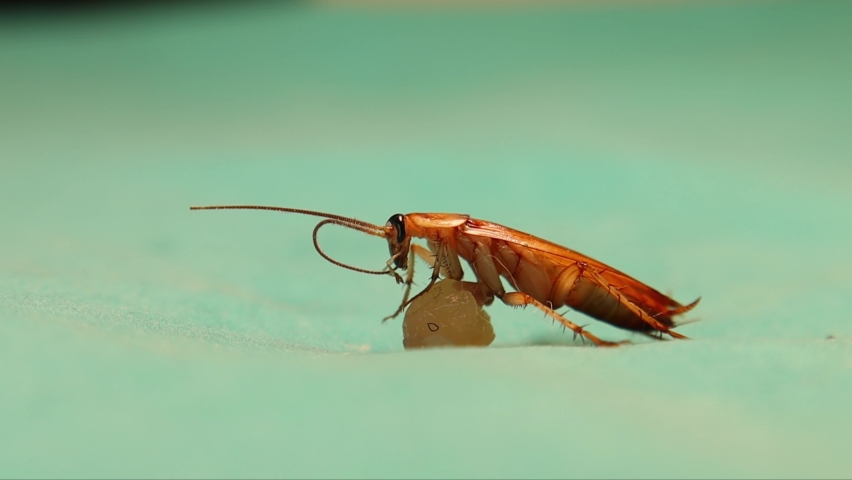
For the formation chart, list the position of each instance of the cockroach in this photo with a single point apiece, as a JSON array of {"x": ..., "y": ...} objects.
[{"x": 545, "y": 275}]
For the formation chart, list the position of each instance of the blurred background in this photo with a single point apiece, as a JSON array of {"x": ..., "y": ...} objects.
[{"x": 702, "y": 147}]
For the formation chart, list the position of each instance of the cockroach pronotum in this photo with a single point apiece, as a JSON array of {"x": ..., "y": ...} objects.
[{"x": 545, "y": 275}]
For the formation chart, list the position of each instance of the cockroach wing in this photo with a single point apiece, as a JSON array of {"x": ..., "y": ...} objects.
[
  {"x": 637, "y": 292},
  {"x": 438, "y": 220}
]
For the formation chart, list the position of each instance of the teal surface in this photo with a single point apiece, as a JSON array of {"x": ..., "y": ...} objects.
[{"x": 703, "y": 149}]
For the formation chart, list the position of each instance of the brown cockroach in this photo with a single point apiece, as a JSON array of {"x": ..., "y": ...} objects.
[{"x": 545, "y": 275}]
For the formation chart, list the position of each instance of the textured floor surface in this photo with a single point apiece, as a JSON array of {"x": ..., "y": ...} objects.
[{"x": 702, "y": 149}]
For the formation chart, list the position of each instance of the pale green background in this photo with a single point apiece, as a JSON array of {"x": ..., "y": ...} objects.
[{"x": 703, "y": 149}]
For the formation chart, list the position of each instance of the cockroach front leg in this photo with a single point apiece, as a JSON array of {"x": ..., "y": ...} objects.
[
  {"x": 435, "y": 261},
  {"x": 518, "y": 299},
  {"x": 409, "y": 277}
]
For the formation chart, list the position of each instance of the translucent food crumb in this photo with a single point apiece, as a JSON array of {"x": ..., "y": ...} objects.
[{"x": 446, "y": 316}]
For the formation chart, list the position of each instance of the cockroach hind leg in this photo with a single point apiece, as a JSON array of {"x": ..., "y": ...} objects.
[
  {"x": 653, "y": 322},
  {"x": 582, "y": 329},
  {"x": 519, "y": 299},
  {"x": 676, "y": 335}
]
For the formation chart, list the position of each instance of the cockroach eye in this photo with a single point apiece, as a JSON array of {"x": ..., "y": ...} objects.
[{"x": 397, "y": 221}]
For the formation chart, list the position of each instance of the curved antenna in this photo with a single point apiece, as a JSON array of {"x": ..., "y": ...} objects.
[
  {"x": 347, "y": 222},
  {"x": 352, "y": 223},
  {"x": 385, "y": 271}
]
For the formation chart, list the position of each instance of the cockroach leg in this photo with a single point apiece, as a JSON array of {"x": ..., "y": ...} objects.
[
  {"x": 424, "y": 254},
  {"x": 582, "y": 328},
  {"x": 391, "y": 269},
  {"x": 434, "y": 261},
  {"x": 409, "y": 279},
  {"x": 654, "y": 335},
  {"x": 518, "y": 299},
  {"x": 427, "y": 257},
  {"x": 591, "y": 274}
]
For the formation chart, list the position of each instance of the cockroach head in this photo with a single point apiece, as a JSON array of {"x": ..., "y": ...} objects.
[{"x": 398, "y": 240}]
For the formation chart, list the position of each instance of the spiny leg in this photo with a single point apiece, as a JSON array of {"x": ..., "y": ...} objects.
[
  {"x": 434, "y": 261},
  {"x": 409, "y": 278},
  {"x": 591, "y": 274},
  {"x": 518, "y": 299},
  {"x": 424, "y": 254}
]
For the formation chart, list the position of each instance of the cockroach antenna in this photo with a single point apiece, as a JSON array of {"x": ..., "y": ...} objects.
[{"x": 330, "y": 218}]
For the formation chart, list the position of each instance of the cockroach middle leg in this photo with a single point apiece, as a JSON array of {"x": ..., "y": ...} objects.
[
  {"x": 518, "y": 299},
  {"x": 654, "y": 335}
]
